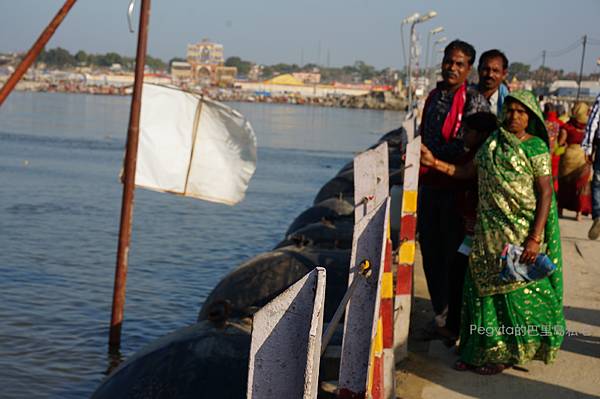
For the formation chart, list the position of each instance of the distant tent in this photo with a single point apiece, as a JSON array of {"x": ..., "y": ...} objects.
[{"x": 285, "y": 79}]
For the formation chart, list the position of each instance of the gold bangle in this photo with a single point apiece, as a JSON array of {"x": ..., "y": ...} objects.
[{"x": 535, "y": 238}]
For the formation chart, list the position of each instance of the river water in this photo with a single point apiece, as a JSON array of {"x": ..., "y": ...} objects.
[{"x": 60, "y": 156}]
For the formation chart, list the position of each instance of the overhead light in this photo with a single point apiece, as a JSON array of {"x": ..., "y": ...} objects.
[
  {"x": 437, "y": 30},
  {"x": 411, "y": 19},
  {"x": 427, "y": 16},
  {"x": 441, "y": 40}
]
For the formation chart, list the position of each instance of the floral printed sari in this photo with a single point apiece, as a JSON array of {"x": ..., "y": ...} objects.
[{"x": 511, "y": 322}]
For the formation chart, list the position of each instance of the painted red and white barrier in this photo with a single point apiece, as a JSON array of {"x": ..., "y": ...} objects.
[{"x": 407, "y": 249}]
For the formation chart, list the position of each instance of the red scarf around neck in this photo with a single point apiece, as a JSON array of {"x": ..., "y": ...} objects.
[{"x": 454, "y": 118}]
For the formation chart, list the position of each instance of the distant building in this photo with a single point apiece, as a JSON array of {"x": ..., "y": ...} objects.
[
  {"x": 308, "y": 77},
  {"x": 206, "y": 53},
  {"x": 6, "y": 70},
  {"x": 255, "y": 72},
  {"x": 204, "y": 58},
  {"x": 225, "y": 75},
  {"x": 181, "y": 71},
  {"x": 568, "y": 88}
]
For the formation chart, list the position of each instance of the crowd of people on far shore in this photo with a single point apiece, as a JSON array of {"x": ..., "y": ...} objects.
[{"x": 496, "y": 173}]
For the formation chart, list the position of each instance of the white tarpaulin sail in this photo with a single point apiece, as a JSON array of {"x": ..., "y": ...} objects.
[{"x": 193, "y": 146}]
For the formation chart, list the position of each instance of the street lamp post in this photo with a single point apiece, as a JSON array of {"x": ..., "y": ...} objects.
[
  {"x": 438, "y": 41},
  {"x": 431, "y": 32},
  {"x": 408, "y": 20},
  {"x": 413, "y": 20}
]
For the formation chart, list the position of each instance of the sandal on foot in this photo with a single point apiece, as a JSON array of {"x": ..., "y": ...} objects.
[
  {"x": 491, "y": 369},
  {"x": 459, "y": 365}
]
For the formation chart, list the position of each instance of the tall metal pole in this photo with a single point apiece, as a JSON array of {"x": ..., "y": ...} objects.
[
  {"x": 427, "y": 55},
  {"x": 129, "y": 181},
  {"x": 543, "y": 68},
  {"x": 410, "y": 59},
  {"x": 403, "y": 50},
  {"x": 543, "y": 58},
  {"x": 35, "y": 50},
  {"x": 581, "y": 67},
  {"x": 433, "y": 66}
]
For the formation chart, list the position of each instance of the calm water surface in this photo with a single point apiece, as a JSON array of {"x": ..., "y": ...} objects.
[{"x": 60, "y": 156}]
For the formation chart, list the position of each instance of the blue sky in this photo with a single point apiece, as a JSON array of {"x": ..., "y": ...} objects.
[{"x": 269, "y": 31}]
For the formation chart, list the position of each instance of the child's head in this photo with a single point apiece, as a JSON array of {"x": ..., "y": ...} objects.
[{"x": 477, "y": 127}]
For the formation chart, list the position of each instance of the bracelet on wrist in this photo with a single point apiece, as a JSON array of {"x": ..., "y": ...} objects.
[{"x": 535, "y": 238}]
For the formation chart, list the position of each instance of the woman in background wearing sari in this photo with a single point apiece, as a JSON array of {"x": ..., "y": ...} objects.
[
  {"x": 575, "y": 171},
  {"x": 553, "y": 125},
  {"x": 509, "y": 323}
]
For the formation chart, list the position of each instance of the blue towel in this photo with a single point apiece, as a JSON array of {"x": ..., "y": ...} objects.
[
  {"x": 502, "y": 92},
  {"x": 514, "y": 270}
]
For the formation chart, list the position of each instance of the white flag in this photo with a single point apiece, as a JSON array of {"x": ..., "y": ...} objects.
[{"x": 193, "y": 146}]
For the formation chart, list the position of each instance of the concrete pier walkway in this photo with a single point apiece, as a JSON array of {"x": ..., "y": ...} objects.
[{"x": 427, "y": 372}]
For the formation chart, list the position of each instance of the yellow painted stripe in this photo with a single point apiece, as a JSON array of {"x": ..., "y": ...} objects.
[
  {"x": 387, "y": 285},
  {"x": 389, "y": 229},
  {"x": 409, "y": 201},
  {"x": 379, "y": 338},
  {"x": 407, "y": 253}
]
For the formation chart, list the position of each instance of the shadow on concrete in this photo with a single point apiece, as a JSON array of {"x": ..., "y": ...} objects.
[
  {"x": 581, "y": 340},
  {"x": 582, "y": 344},
  {"x": 490, "y": 387},
  {"x": 438, "y": 369},
  {"x": 582, "y": 315}
]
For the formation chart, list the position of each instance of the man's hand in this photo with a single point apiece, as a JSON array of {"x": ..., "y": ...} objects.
[{"x": 427, "y": 158}]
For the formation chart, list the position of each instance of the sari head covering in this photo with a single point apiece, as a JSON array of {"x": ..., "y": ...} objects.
[
  {"x": 536, "y": 126},
  {"x": 580, "y": 112}
]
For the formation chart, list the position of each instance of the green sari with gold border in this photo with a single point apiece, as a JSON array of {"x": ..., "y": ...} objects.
[{"x": 511, "y": 322}]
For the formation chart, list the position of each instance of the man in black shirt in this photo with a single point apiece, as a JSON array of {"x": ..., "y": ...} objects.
[{"x": 439, "y": 223}]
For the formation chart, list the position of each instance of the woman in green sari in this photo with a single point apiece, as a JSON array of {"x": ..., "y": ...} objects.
[{"x": 508, "y": 323}]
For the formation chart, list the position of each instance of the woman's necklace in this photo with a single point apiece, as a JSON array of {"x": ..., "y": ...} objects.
[{"x": 521, "y": 136}]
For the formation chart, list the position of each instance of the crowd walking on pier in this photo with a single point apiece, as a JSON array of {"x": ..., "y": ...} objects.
[{"x": 496, "y": 174}]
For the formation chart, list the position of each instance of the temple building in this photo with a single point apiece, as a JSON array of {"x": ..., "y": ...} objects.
[{"x": 207, "y": 64}]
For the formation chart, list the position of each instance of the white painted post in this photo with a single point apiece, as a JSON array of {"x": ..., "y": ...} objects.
[
  {"x": 410, "y": 126},
  {"x": 362, "y": 312},
  {"x": 286, "y": 342},
  {"x": 371, "y": 180},
  {"x": 371, "y": 194},
  {"x": 406, "y": 253}
]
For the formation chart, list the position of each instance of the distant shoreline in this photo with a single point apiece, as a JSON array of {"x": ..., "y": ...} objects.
[
  {"x": 372, "y": 101},
  {"x": 378, "y": 101}
]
